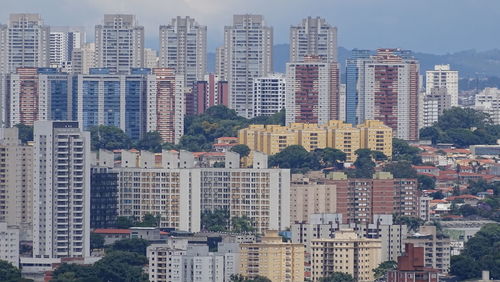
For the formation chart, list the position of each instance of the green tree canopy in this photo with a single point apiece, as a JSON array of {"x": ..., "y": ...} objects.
[
  {"x": 215, "y": 221},
  {"x": 109, "y": 138},
  {"x": 9, "y": 272},
  {"x": 402, "y": 151},
  {"x": 294, "y": 157},
  {"x": 426, "y": 182},
  {"x": 96, "y": 241},
  {"x": 151, "y": 142},
  {"x": 413, "y": 223},
  {"x": 364, "y": 164},
  {"x": 383, "y": 268},
  {"x": 401, "y": 169},
  {"x": 241, "y": 278},
  {"x": 133, "y": 245},
  {"x": 242, "y": 224},
  {"x": 329, "y": 157},
  {"x": 241, "y": 149},
  {"x": 338, "y": 277}
]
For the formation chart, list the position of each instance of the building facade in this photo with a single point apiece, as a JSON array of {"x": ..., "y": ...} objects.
[
  {"x": 61, "y": 194},
  {"x": 103, "y": 197},
  {"x": 248, "y": 44},
  {"x": 24, "y": 42},
  {"x": 384, "y": 87},
  {"x": 268, "y": 94},
  {"x": 347, "y": 253},
  {"x": 488, "y": 101},
  {"x": 9, "y": 243},
  {"x": 183, "y": 47},
  {"x": 312, "y": 91},
  {"x": 411, "y": 267},
  {"x": 313, "y": 36},
  {"x": 273, "y": 258},
  {"x": 442, "y": 77},
  {"x": 63, "y": 40},
  {"x": 119, "y": 43},
  {"x": 436, "y": 248},
  {"x": 206, "y": 93}
]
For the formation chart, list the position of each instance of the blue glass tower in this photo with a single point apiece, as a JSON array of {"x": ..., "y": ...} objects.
[{"x": 352, "y": 73}]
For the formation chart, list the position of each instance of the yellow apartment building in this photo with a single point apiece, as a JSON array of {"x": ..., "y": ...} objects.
[
  {"x": 346, "y": 253},
  {"x": 272, "y": 139},
  {"x": 273, "y": 258}
]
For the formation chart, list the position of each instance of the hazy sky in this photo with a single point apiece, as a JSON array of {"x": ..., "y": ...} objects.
[{"x": 437, "y": 26}]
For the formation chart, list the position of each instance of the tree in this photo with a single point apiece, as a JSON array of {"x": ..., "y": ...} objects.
[
  {"x": 438, "y": 195},
  {"x": 481, "y": 252},
  {"x": 124, "y": 222},
  {"x": 401, "y": 169},
  {"x": 75, "y": 273},
  {"x": 151, "y": 141},
  {"x": 122, "y": 266},
  {"x": 337, "y": 277},
  {"x": 134, "y": 245},
  {"x": 465, "y": 118},
  {"x": 329, "y": 157},
  {"x": 241, "y": 149},
  {"x": 413, "y": 223},
  {"x": 109, "y": 138},
  {"x": 426, "y": 182},
  {"x": 242, "y": 224},
  {"x": 365, "y": 166},
  {"x": 9, "y": 272},
  {"x": 215, "y": 221},
  {"x": 383, "y": 268},
  {"x": 294, "y": 157},
  {"x": 25, "y": 133},
  {"x": 402, "y": 151},
  {"x": 96, "y": 241}
]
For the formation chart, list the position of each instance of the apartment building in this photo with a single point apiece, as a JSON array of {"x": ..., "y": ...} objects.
[
  {"x": 347, "y": 253},
  {"x": 273, "y": 258},
  {"x": 442, "y": 77},
  {"x": 9, "y": 243},
  {"x": 436, "y": 248},
  {"x": 61, "y": 194},
  {"x": 268, "y": 94},
  {"x": 272, "y": 139},
  {"x": 411, "y": 267},
  {"x": 16, "y": 182},
  {"x": 313, "y": 36}
]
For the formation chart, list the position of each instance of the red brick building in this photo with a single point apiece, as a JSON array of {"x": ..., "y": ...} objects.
[{"x": 411, "y": 267}]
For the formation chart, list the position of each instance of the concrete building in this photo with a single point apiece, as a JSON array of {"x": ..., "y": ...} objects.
[
  {"x": 272, "y": 139},
  {"x": 221, "y": 62},
  {"x": 268, "y": 94},
  {"x": 83, "y": 59},
  {"x": 119, "y": 43},
  {"x": 273, "y": 258},
  {"x": 103, "y": 197},
  {"x": 358, "y": 200},
  {"x": 9, "y": 243},
  {"x": 424, "y": 209},
  {"x": 488, "y": 101},
  {"x": 411, "y": 267},
  {"x": 24, "y": 42},
  {"x": 151, "y": 59},
  {"x": 178, "y": 260},
  {"x": 61, "y": 194},
  {"x": 63, "y": 40},
  {"x": 178, "y": 191},
  {"x": 324, "y": 226},
  {"x": 183, "y": 47},
  {"x": 384, "y": 87},
  {"x": 442, "y": 77},
  {"x": 347, "y": 253},
  {"x": 312, "y": 91},
  {"x": 165, "y": 104},
  {"x": 434, "y": 104},
  {"x": 436, "y": 248},
  {"x": 16, "y": 182},
  {"x": 313, "y": 36},
  {"x": 248, "y": 44},
  {"x": 206, "y": 93}
]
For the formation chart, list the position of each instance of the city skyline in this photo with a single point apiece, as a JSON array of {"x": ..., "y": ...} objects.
[{"x": 438, "y": 30}]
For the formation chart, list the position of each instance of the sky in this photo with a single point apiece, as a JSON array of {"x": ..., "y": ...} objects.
[{"x": 432, "y": 26}]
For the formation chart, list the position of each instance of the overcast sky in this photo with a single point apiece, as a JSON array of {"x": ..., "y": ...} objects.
[{"x": 436, "y": 26}]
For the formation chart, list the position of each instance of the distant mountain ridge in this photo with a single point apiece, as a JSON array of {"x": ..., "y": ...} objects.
[{"x": 469, "y": 63}]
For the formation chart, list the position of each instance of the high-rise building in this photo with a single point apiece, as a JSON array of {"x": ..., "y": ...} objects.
[
  {"x": 83, "y": 59},
  {"x": 436, "y": 248},
  {"x": 38, "y": 94},
  {"x": 273, "y": 258},
  {"x": 112, "y": 99},
  {"x": 63, "y": 40},
  {"x": 312, "y": 91},
  {"x": 103, "y": 198},
  {"x": 24, "y": 42},
  {"x": 268, "y": 94},
  {"x": 442, "y": 77},
  {"x": 220, "y": 63},
  {"x": 313, "y": 36},
  {"x": 384, "y": 87},
  {"x": 150, "y": 58},
  {"x": 347, "y": 253},
  {"x": 16, "y": 182},
  {"x": 248, "y": 47},
  {"x": 183, "y": 47},
  {"x": 488, "y": 101},
  {"x": 433, "y": 106},
  {"x": 119, "y": 43},
  {"x": 61, "y": 193},
  {"x": 165, "y": 104},
  {"x": 9, "y": 243},
  {"x": 207, "y": 93}
]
